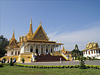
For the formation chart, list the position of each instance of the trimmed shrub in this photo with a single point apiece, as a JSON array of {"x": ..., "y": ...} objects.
[
  {"x": 89, "y": 58},
  {"x": 11, "y": 63},
  {"x": 4, "y": 59},
  {"x": 23, "y": 60},
  {"x": 82, "y": 64}
]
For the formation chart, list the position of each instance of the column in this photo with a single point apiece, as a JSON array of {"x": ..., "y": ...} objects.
[
  {"x": 55, "y": 48},
  {"x": 90, "y": 52},
  {"x": 40, "y": 49},
  {"x": 45, "y": 47},
  {"x": 50, "y": 48},
  {"x": 14, "y": 52},
  {"x": 17, "y": 52},
  {"x": 95, "y": 51},
  {"x": 8, "y": 53},
  {"x": 98, "y": 52},
  {"x": 60, "y": 48},
  {"x": 35, "y": 48},
  {"x": 29, "y": 48}
]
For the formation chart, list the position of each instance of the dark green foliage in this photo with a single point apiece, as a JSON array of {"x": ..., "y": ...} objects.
[
  {"x": 84, "y": 58},
  {"x": 76, "y": 53},
  {"x": 82, "y": 64},
  {"x": 23, "y": 60},
  {"x": 3, "y": 43},
  {"x": 1, "y": 65},
  {"x": 89, "y": 58},
  {"x": 4, "y": 59},
  {"x": 11, "y": 63},
  {"x": 78, "y": 58}
]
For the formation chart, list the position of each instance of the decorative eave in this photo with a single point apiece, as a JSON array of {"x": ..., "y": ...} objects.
[{"x": 40, "y": 41}]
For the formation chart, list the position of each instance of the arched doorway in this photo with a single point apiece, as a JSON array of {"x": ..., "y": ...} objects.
[
  {"x": 31, "y": 50},
  {"x": 46, "y": 50},
  {"x": 37, "y": 51},
  {"x": 51, "y": 50}
]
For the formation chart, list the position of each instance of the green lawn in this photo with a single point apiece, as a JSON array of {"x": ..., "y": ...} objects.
[{"x": 14, "y": 70}]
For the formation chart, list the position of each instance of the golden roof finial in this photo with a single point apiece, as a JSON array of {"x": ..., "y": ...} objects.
[
  {"x": 31, "y": 30},
  {"x": 31, "y": 20},
  {"x": 13, "y": 35},
  {"x": 40, "y": 23}
]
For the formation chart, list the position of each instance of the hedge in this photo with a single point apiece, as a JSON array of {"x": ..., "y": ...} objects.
[
  {"x": 52, "y": 66},
  {"x": 58, "y": 66}
]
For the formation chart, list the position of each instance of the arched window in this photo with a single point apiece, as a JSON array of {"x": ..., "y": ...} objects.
[
  {"x": 18, "y": 52},
  {"x": 11, "y": 52},
  {"x": 15, "y": 52},
  {"x": 89, "y": 52},
  {"x": 31, "y": 49}
]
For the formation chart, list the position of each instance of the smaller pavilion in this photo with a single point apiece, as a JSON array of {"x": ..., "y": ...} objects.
[{"x": 92, "y": 50}]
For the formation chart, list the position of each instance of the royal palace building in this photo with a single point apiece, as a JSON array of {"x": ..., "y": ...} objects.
[{"x": 31, "y": 44}]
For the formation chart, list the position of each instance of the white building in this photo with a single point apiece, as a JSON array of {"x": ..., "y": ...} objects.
[{"x": 92, "y": 50}]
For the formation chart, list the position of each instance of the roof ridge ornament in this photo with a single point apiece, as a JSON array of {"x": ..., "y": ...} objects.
[
  {"x": 13, "y": 35},
  {"x": 30, "y": 29},
  {"x": 40, "y": 23},
  {"x": 31, "y": 20}
]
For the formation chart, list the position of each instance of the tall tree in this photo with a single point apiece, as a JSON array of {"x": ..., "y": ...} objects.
[
  {"x": 3, "y": 43},
  {"x": 75, "y": 52}
]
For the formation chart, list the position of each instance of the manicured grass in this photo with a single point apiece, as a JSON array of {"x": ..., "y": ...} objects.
[{"x": 15, "y": 70}]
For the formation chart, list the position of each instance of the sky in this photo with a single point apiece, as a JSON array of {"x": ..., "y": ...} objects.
[{"x": 69, "y": 21}]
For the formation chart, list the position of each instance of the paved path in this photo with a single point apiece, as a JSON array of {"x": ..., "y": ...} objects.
[{"x": 94, "y": 62}]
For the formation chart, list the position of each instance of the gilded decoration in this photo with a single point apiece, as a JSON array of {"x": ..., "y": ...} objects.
[{"x": 91, "y": 45}]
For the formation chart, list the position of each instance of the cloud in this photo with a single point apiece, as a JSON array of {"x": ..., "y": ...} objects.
[{"x": 81, "y": 37}]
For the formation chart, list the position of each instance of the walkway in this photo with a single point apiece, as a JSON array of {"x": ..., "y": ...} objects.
[{"x": 94, "y": 62}]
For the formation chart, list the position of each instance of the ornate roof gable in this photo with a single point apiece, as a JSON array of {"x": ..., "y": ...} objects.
[
  {"x": 13, "y": 41},
  {"x": 40, "y": 34}
]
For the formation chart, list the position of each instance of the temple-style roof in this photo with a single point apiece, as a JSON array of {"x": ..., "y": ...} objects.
[
  {"x": 91, "y": 46},
  {"x": 13, "y": 41},
  {"x": 40, "y": 34}
]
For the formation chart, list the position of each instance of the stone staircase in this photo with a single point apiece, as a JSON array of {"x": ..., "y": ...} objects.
[{"x": 48, "y": 58}]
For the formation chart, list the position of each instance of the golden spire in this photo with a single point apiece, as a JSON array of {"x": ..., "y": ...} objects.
[
  {"x": 13, "y": 37},
  {"x": 31, "y": 30},
  {"x": 31, "y": 21}
]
